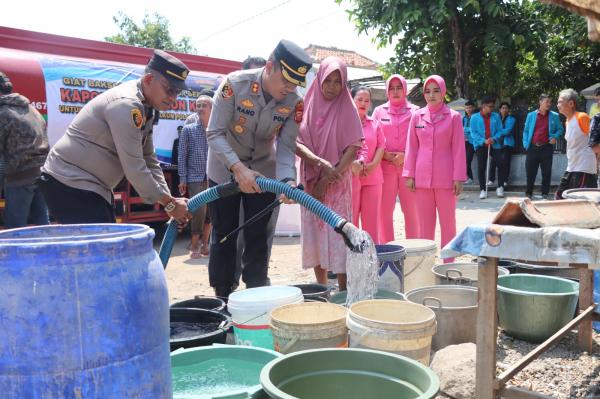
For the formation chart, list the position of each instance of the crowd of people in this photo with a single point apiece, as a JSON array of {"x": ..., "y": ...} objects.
[{"x": 356, "y": 160}]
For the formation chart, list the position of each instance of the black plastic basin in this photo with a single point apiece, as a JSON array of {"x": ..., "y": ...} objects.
[
  {"x": 315, "y": 292},
  {"x": 197, "y": 327},
  {"x": 202, "y": 302}
]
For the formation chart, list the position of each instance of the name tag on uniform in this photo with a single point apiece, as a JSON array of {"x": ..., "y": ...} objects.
[
  {"x": 245, "y": 111},
  {"x": 385, "y": 119},
  {"x": 419, "y": 127}
]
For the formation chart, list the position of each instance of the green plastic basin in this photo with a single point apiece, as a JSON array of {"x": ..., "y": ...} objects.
[
  {"x": 347, "y": 374},
  {"x": 340, "y": 297},
  {"x": 533, "y": 307},
  {"x": 219, "y": 371}
]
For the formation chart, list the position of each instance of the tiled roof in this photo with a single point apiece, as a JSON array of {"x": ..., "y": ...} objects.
[{"x": 352, "y": 58}]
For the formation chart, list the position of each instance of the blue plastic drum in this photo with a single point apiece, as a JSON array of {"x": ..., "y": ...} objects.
[{"x": 84, "y": 313}]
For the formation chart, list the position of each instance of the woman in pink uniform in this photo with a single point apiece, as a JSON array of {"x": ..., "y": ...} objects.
[
  {"x": 367, "y": 179},
  {"x": 435, "y": 165},
  {"x": 329, "y": 139},
  {"x": 394, "y": 117}
]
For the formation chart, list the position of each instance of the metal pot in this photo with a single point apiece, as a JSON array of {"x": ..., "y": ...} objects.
[
  {"x": 455, "y": 309},
  {"x": 509, "y": 265},
  {"x": 460, "y": 273},
  {"x": 546, "y": 270}
]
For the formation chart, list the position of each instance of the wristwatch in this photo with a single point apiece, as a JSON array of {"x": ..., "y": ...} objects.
[{"x": 170, "y": 207}]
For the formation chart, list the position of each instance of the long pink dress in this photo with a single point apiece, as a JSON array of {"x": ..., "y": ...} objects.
[
  {"x": 328, "y": 128},
  {"x": 321, "y": 245}
]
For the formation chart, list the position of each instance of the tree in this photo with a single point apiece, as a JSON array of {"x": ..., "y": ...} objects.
[
  {"x": 565, "y": 57},
  {"x": 445, "y": 36},
  {"x": 499, "y": 47},
  {"x": 152, "y": 33}
]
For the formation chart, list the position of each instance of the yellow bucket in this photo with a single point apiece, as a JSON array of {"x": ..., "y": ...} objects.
[
  {"x": 398, "y": 327},
  {"x": 309, "y": 325}
]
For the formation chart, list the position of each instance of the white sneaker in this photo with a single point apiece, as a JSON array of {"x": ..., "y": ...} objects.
[
  {"x": 500, "y": 192},
  {"x": 482, "y": 194},
  {"x": 469, "y": 181}
]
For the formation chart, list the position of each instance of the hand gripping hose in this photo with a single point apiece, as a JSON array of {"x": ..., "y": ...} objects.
[{"x": 273, "y": 186}]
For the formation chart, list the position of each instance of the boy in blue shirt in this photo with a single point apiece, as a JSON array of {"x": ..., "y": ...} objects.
[{"x": 486, "y": 131}]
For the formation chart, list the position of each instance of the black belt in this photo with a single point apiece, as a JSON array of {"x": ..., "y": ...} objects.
[{"x": 540, "y": 144}]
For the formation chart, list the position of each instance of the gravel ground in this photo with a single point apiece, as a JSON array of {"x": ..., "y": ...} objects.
[{"x": 563, "y": 371}]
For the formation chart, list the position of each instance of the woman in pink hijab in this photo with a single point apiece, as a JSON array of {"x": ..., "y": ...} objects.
[
  {"x": 330, "y": 136},
  {"x": 435, "y": 164},
  {"x": 394, "y": 117},
  {"x": 367, "y": 179}
]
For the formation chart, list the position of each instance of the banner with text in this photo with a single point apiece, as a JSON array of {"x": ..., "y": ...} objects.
[{"x": 71, "y": 83}]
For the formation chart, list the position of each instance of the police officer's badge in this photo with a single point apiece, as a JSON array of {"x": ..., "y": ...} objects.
[
  {"x": 247, "y": 103},
  {"x": 255, "y": 87},
  {"x": 227, "y": 91},
  {"x": 239, "y": 129},
  {"x": 137, "y": 118}
]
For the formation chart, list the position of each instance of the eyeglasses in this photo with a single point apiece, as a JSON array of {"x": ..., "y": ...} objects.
[{"x": 170, "y": 90}]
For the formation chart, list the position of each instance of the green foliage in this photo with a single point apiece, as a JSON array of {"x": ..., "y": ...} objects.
[
  {"x": 506, "y": 48},
  {"x": 152, "y": 33}
]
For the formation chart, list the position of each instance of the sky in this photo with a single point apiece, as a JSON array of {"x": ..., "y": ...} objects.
[{"x": 229, "y": 29}]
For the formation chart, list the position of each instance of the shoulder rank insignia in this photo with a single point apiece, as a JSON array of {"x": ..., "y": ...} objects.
[
  {"x": 255, "y": 87},
  {"x": 283, "y": 110},
  {"x": 227, "y": 91},
  {"x": 299, "y": 111},
  {"x": 247, "y": 103},
  {"x": 137, "y": 118}
]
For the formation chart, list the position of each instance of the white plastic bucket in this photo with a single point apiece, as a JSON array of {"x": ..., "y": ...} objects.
[
  {"x": 398, "y": 327},
  {"x": 420, "y": 258},
  {"x": 309, "y": 325},
  {"x": 250, "y": 312}
]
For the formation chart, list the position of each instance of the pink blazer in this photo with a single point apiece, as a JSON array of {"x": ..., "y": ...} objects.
[
  {"x": 395, "y": 125},
  {"x": 435, "y": 151},
  {"x": 374, "y": 139}
]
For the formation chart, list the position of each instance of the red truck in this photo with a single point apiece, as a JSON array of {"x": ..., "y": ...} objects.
[{"x": 61, "y": 74}]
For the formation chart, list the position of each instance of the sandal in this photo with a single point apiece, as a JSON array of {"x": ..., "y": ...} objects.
[
  {"x": 196, "y": 254},
  {"x": 204, "y": 250}
]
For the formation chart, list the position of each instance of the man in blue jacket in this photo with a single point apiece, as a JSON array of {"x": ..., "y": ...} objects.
[
  {"x": 542, "y": 129},
  {"x": 486, "y": 130},
  {"x": 469, "y": 150},
  {"x": 508, "y": 127}
]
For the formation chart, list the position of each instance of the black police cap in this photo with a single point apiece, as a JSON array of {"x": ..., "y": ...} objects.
[
  {"x": 295, "y": 63},
  {"x": 170, "y": 67}
]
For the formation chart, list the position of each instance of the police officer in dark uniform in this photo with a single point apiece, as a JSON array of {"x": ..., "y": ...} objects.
[
  {"x": 111, "y": 137},
  {"x": 252, "y": 132}
]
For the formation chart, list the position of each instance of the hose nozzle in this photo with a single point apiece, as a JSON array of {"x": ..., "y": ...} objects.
[{"x": 354, "y": 241}]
